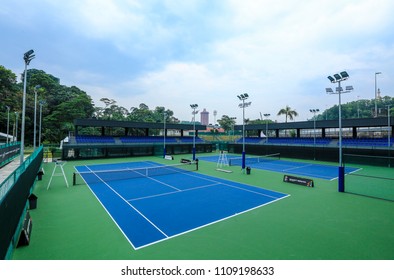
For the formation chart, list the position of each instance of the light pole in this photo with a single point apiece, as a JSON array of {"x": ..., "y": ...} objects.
[
  {"x": 314, "y": 111},
  {"x": 233, "y": 123},
  {"x": 8, "y": 123},
  {"x": 16, "y": 126},
  {"x": 388, "y": 131},
  {"x": 338, "y": 78},
  {"x": 35, "y": 116},
  {"x": 243, "y": 105},
  {"x": 266, "y": 126},
  {"x": 164, "y": 135},
  {"x": 194, "y": 107},
  {"x": 27, "y": 57},
  {"x": 376, "y": 94},
  {"x": 42, "y": 103}
]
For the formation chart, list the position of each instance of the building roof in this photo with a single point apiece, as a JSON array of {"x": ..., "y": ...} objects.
[
  {"x": 128, "y": 124},
  {"x": 365, "y": 122}
]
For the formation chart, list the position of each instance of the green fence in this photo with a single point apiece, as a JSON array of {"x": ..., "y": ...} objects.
[
  {"x": 8, "y": 152},
  {"x": 14, "y": 193}
]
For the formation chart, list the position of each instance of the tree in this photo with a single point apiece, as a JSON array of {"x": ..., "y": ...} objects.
[
  {"x": 10, "y": 94},
  {"x": 362, "y": 108},
  {"x": 63, "y": 105},
  {"x": 141, "y": 114},
  {"x": 226, "y": 123},
  {"x": 288, "y": 112},
  {"x": 111, "y": 111}
]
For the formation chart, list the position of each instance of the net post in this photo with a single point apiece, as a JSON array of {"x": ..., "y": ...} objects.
[
  {"x": 341, "y": 179},
  {"x": 74, "y": 179},
  {"x": 243, "y": 161},
  {"x": 196, "y": 164}
]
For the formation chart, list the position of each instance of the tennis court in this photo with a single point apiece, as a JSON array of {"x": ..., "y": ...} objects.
[
  {"x": 274, "y": 163},
  {"x": 151, "y": 202}
]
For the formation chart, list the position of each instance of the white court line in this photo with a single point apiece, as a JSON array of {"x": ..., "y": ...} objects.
[
  {"x": 211, "y": 223},
  {"x": 236, "y": 187},
  {"x": 297, "y": 167},
  {"x": 191, "y": 174},
  {"x": 275, "y": 199},
  {"x": 165, "y": 184},
  {"x": 168, "y": 193},
  {"x": 135, "y": 209}
]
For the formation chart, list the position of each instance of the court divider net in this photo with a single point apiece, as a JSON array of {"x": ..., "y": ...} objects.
[
  {"x": 253, "y": 159},
  {"x": 374, "y": 177}
]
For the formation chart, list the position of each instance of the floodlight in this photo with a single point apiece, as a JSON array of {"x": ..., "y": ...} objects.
[
  {"x": 337, "y": 77},
  {"x": 243, "y": 96},
  {"x": 339, "y": 89},
  {"x": 332, "y": 80},
  {"x": 28, "y": 56},
  {"x": 28, "y": 53},
  {"x": 349, "y": 87},
  {"x": 329, "y": 90},
  {"x": 344, "y": 75}
]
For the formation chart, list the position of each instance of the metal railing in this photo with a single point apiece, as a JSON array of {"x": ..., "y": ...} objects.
[{"x": 9, "y": 182}]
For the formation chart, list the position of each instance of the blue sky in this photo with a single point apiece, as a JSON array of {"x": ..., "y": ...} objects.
[{"x": 174, "y": 53}]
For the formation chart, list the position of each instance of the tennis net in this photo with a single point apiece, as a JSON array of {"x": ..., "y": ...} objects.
[
  {"x": 374, "y": 177},
  {"x": 90, "y": 177},
  {"x": 251, "y": 159}
]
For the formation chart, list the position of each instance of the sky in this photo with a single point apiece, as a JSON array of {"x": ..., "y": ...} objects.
[{"x": 174, "y": 53}]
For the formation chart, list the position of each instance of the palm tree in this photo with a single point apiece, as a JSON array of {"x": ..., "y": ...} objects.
[{"x": 288, "y": 112}]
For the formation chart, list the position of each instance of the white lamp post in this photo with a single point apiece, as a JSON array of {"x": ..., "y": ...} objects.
[
  {"x": 388, "y": 130},
  {"x": 164, "y": 135},
  {"x": 338, "y": 78},
  {"x": 35, "y": 116},
  {"x": 194, "y": 107},
  {"x": 243, "y": 105},
  {"x": 314, "y": 111},
  {"x": 8, "y": 123},
  {"x": 266, "y": 126},
  {"x": 42, "y": 103},
  {"x": 233, "y": 123},
  {"x": 16, "y": 126},
  {"x": 376, "y": 94},
  {"x": 27, "y": 57}
]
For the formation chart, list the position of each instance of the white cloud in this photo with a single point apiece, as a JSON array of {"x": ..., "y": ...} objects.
[{"x": 175, "y": 53}]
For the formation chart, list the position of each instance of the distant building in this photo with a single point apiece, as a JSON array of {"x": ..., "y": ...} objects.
[{"x": 204, "y": 117}]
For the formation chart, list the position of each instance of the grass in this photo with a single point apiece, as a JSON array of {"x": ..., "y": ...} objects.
[{"x": 312, "y": 224}]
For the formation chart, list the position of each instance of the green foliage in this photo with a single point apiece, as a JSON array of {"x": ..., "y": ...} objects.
[
  {"x": 62, "y": 104},
  {"x": 226, "y": 123},
  {"x": 288, "y": 112},
  {"x": 362, "y": 108}
]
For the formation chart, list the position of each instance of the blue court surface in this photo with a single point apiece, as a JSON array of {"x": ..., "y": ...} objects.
[
  {"x": 152, "y": 209},
  {"x": 321, "y": 171}
]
